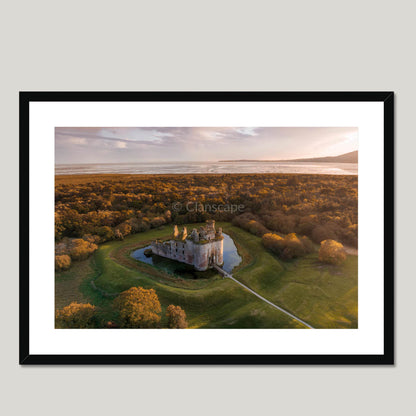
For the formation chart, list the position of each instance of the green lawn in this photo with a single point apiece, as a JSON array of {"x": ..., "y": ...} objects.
[{"x": 324, "y": 296}]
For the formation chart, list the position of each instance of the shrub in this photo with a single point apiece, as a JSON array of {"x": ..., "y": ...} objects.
[
  {"x": 75, "y": 315},
  {"x": 280, "y": 222},
  {"x": 256, "y": 228},
  {"x": 322, "y": 232},
  {"x": 134, "y": 224},
  {"x": 332, "y": 252},
  {"x": 91, "y": 238},
  {"x": 157, "y": 222},
  {"x": 106, "y": 233},
  {"x": 176, "y": 317},
  {"x": 293, "y": 247},
  {"x": 288, "y": 247},
  {"x": 307, "y": 244},
  {"x": 81, "y": 249},
  {"x": 139, "y": 308},
  {"x": 273, "y": 242},
  {"x": 249, "y": 223},
  {"x": 143, "y": 226},
  {"x": 62, "y": 262},
  {"x": 118, "y": 235},
  {"x": 124, "y": 229}
]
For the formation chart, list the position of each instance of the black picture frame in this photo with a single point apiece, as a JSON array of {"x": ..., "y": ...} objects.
[{"x": 387, "y": 358}]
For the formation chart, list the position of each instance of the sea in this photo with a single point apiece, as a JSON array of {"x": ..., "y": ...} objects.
[{"x": 208, "y": 167}]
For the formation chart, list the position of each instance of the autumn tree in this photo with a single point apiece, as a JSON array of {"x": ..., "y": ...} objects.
[
  {"x": 296, "y": 246},
  {"x": 322, "y": 232},
  {"x": 124, "y": 229},
  {"x": 307, "y": 244},
  {"x": 139, "y": 308},
  {"x": 332, "y": 252},
  {"x": 75, "y": 315},
  {"x": 293, "y": 181},
  {"x": 176, "y": 317},
  {"x": 106, "y": 233},
  {"x": 118, "y": 234},
  {"x": 249, "y": 223},
  {"x": 81, "y": 249},
  {"x": 157, "y": 222},
  {"x": 62, "y": 262},
  {"x": 273, "y": 242},
  {"x": 289, "y": 246}
]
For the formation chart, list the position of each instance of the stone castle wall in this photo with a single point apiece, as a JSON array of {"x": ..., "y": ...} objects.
[{"x": 200, "y": 249}]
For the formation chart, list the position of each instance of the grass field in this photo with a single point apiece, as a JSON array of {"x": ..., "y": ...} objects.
[{"x": 324, "y": 296}]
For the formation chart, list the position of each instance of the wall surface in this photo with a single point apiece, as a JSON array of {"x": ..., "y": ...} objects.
[{"x": 211, "y": 45}]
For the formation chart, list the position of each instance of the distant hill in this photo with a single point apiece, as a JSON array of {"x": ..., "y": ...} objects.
[{"x": 351, "y": 157}]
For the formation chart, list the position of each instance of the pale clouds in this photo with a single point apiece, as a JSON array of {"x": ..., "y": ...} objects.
[{"x": 164, "y": 144}]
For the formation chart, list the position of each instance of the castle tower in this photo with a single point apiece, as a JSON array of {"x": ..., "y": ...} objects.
[
  {"x": 210, "y": 229},
  {"x": 195, "y": 235},
  {"x": 175, "y": 232}
]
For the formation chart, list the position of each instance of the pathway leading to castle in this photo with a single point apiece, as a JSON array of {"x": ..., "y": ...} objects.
[{"x": 224, "y": 273}]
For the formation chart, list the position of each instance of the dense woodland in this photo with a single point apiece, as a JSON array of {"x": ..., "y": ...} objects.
[{"x": 91, "y": 209}]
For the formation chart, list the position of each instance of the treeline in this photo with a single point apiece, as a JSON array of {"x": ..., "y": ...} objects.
[
  {"x": 112, "y": 206},
  {"x": 292, "y": 246},
  {"x": 133, "y": 308},
  {"x": 289, "y": 246}
]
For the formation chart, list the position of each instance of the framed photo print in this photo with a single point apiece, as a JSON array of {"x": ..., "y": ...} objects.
[{"x": 206, "y": 228}]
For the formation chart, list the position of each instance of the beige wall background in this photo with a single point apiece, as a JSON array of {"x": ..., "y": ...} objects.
[{"x": 211, "y": 45}]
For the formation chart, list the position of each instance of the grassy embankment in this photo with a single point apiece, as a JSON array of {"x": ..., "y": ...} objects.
[{"x": 325, "y": 296}]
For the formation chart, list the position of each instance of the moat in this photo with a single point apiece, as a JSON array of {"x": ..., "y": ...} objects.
[{"x": 231, "y": 259}]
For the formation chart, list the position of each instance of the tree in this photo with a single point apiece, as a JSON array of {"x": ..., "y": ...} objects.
[
  {"x": 289, "y": 247},
  {"x": 62, "y": 262},
  {"x": 176, "y": 317},
  {"x": 157, "y": 222},
  {"x": 273, "y": 242},
  {"x": 293, "y": 181},
  {"x": 81, "y": 249},
  {"x": 293, "y": 247},
  {"x": 118, "y": 234},
  {"x": 124, "y": 228},
  {"x": 322, "y": 232},
  {"x": 75, "y": 315},
  {"x": 332, "y": 252},
  {"x": 307, "y": 244},
  {"x": 139, "y": 308},
  {"x": 106, "y": 233}
]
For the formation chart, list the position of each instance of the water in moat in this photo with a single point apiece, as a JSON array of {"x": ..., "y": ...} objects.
[{"x": 230, "y": 256}]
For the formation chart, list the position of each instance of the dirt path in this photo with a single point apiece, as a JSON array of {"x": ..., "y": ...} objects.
[{"x": 351, "y": 251}]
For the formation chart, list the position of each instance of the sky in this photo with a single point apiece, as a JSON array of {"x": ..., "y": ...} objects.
[{"x": 184, "y": 144}]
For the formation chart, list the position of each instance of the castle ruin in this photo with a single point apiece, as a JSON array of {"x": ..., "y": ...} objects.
[{"x": 202, "y": 248}]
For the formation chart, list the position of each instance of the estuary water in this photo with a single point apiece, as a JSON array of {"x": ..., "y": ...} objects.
[
  {"x": 209, "y": 167},
  {"x": 230, "y": 256}
]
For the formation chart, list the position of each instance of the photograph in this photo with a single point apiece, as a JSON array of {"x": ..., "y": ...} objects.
[{"x": 206, "y": 227}]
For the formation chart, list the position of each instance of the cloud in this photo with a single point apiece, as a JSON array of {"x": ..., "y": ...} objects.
[
  {"x": 121, "y": 145},
  {"x": 164, "y": 144},
  {"x": 247, "y": 131},
  {"x": 77, "y": 140}
]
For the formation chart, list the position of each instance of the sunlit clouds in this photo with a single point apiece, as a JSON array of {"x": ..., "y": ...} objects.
[{"x": 168, "y": 144}]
